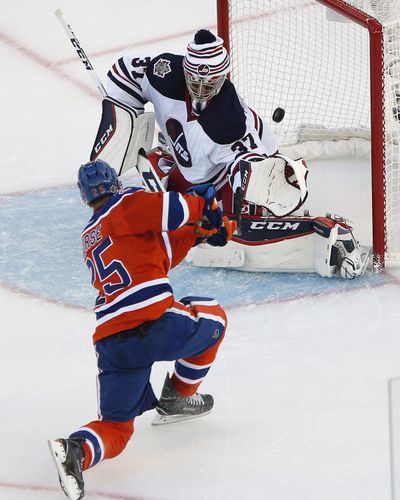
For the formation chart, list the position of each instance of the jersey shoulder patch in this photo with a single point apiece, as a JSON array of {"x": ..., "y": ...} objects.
[
  {"x": 224, "y": 120},
  {"x": 165, "y": 74}
]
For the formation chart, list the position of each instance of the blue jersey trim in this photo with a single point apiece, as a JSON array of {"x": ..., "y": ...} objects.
[
  {"x": 175, "y": 211},
  {"x": 88, "y": 436},
  {"x": 191, "y": 373},
  {"x": 135, "y": 298},
  {"x": 126, "y": 89}
]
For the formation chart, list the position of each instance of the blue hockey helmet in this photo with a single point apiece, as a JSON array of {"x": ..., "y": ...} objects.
[{"x": 97, "y": 179}]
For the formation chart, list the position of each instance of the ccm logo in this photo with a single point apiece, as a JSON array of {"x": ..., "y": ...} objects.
[
  {"x": 81, "y": 54},
  {"x": 244, "y": 178},
  {"x": 283, "y": 226},
  {"x": 103, "y": 139}
]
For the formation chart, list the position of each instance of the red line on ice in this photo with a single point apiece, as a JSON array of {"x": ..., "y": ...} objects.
[
  {"x": 42, "y": 298},
  {"x": 48, "y": 65},
  {"x": 33, "y": 487},
  {"x": 392, "y": 280}
]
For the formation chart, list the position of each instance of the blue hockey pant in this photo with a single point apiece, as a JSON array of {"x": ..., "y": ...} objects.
[{"x": 188, "y": 333}]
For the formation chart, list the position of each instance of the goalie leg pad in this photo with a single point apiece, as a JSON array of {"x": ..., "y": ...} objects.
[
  {"x": 293, "y": 244},
  {"x": 264, "y": 245},
  {"x": 122, "y": 140},
  {"x": 336, "y": 250}
]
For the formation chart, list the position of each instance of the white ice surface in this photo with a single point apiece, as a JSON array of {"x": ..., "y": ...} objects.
[{"x": 300, "y": 386}]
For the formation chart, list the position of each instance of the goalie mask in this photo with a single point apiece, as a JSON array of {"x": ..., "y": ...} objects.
[
  {"x": 205, "y": 65},
  {"x": 97, "y": 179}
]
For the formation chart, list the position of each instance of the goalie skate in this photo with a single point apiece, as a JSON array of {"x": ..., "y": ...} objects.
[
  {"x": 173, "y": 407},
  {"x": 68, "y": 457}
]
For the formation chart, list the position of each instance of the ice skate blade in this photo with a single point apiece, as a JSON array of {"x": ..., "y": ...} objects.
[
  {"x": 68, "y": 483},
  {"x": 172, "y": 419}
]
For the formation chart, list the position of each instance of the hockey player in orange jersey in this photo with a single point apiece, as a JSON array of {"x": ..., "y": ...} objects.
[{"x": 131, "y": 241}]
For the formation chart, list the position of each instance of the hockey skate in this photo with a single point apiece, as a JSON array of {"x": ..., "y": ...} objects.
[
  {"x": 68, "y": 457},
  {"x": 172, "y": 407}
]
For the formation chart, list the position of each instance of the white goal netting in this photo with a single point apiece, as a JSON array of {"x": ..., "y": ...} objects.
[{"x": 315, "y": 63}]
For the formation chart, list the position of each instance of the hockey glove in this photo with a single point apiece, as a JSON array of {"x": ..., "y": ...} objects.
[
  {"x": 221, "y": 238},
  {"x": 277, "y": 183},
  {"x": 211, "y": 219}
]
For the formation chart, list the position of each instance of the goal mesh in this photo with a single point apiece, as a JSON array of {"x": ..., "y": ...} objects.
[{"x": 315, "y": 63}]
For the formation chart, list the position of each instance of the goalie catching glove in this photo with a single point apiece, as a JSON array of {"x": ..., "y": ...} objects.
[{"x": 277, "y": 183}]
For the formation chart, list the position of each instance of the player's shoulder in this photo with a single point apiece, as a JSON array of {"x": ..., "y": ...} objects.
[
  {"x": 120, "y": 197},
  {"x": 224, "y": 121},
  {"x": 165, "y": 74}
]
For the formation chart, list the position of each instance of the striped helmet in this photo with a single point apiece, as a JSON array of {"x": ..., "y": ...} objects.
[{"x": 205, "y": 66}]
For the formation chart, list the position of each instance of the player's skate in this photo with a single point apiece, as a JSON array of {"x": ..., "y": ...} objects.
[
  {"x": 172, "y": 407},
  {"x": 68, "y": 457}
]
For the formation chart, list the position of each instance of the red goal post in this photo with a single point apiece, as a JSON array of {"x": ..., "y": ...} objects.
[{"x": 336, "y": 64}]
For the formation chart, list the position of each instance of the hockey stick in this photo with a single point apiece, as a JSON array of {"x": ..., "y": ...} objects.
[
  {"x": 143, "y": 125},
  {"x": 81, "y": 53}
]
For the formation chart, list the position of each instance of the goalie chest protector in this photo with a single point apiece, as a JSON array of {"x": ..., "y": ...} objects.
[
  {"x": 204, "y": 146},
  {"x": 219, "y": 127}
]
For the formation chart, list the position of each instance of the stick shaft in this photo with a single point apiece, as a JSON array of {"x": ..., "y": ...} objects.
[{"x": 81, "y": 53}]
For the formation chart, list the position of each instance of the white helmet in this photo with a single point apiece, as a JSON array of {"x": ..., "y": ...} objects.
[{"x": 205, "y": 66}]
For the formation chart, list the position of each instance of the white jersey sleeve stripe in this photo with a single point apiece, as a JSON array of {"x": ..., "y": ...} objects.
[
  {"x": 133, "y": 307},
  {"x": 165, "y": 212},
  {"x": 193, "y": 366},
  {"x": 167, "y": 246},
  {"x": 185, "y": 209}
]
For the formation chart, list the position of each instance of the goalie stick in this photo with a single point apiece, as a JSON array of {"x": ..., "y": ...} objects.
[{"x": 140, "y": 128}]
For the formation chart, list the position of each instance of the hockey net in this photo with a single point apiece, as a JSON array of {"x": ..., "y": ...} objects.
[{"x": 322, "y": 60}]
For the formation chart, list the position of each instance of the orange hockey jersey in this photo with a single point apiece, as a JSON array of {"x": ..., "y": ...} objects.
[{"x": 129, "y": 245}]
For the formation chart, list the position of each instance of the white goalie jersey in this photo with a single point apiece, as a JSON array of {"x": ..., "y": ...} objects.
[
  {"x": 227, "y": 142},
  {"x": 205, "y": 147}
]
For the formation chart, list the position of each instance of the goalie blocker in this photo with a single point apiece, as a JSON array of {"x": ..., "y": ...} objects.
[
  {"x": 123, "y": 140},
  {"x": 323, "y": 245}
]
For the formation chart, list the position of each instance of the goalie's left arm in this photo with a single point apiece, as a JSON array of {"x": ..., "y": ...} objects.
[{"x": 124, "y": 81}]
